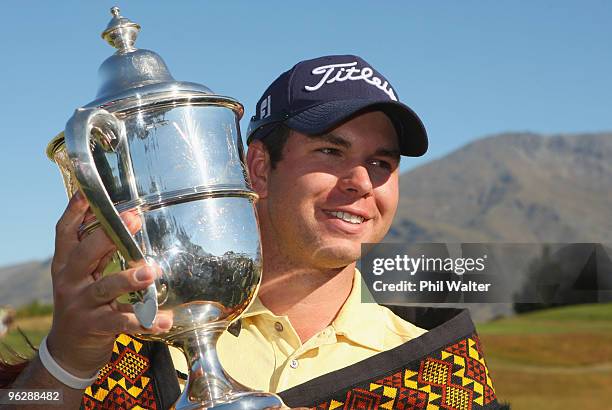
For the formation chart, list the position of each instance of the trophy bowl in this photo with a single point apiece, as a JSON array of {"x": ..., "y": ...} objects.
[{"x": 170, "y": 153}]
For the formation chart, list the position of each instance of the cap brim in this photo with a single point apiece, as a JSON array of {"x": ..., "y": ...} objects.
[{"x": 323, "y": 117}]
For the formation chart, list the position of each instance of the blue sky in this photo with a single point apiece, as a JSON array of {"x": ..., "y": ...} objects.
[{"x": 468, "y": 68}]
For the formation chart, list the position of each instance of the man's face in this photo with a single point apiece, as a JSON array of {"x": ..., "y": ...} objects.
[{"x": 330, "y": 193}]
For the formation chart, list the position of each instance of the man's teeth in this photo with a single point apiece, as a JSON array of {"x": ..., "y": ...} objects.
[{"x": 354, "y": 219}]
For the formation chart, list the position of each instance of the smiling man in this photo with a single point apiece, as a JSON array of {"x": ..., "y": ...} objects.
[{"x": 324, "y": 153}]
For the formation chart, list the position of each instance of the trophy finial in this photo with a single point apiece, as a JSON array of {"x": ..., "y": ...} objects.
[{"x": 121, "y": 32}]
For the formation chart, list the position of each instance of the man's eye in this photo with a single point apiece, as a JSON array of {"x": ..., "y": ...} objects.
[
  {"x": 382, "y": 164},
  {"x": 329, "y": 151}
]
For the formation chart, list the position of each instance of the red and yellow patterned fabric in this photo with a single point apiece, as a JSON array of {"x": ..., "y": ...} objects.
[
  {"x": 444, "y": 369},
  {"x": 128, "y": 381},
  {"x": 454, "y": 378}
]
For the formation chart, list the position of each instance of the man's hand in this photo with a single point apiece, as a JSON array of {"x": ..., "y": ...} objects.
[{"x": 86, "y": 316}]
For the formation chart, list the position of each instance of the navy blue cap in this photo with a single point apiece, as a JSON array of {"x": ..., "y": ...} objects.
[{"x": 319, "y": 94}]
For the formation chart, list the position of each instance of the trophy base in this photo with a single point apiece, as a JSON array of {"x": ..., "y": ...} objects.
[
  {"x": 237, "y": 401},
  {"x": 209, "y": 386}
]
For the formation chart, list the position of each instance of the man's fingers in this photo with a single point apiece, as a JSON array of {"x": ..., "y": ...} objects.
[
  {"x": 95, "y": 246},
  {"x": 106, "y": 259},
  {"x": 112, "y": 286},
  {"x": 112, "y": 322},
  {"x": 86, "y": 256},
  {"x": 66, "y": 229},
  {"x": 132, "y": 220},
  {"x": 122, "y": 307},
  {"x": 73, "y": 214}
]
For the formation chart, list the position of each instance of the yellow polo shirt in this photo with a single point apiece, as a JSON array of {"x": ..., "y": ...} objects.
[{"x": 268, "y": 354}]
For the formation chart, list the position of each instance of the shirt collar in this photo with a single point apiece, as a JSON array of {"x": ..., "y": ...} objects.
[
  {"x": 256, "y": 308},
  {"x": 362, "y": 323}
]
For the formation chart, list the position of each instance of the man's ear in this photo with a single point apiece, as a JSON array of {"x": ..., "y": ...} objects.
[{"x": 258, "y": 164}]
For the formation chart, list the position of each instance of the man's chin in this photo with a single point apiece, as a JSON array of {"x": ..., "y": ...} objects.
[{"x": 337, "y": 257}]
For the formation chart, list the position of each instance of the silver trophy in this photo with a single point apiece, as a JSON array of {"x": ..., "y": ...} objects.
[{"x": 171, "y": 152}]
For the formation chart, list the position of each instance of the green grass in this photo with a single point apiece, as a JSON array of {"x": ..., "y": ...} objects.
[
  {"x": 589, "y": 318},
  {"x": 534, "y": 358},
  {"x": 601, "y": 312},
  {"x": 35, "y": 329}
]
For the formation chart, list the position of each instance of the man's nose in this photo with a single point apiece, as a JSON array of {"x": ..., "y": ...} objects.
[{"x": 357, "y": 181}]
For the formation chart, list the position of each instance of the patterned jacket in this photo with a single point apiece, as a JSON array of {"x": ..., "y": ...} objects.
[{"x": 444, "y": 369}]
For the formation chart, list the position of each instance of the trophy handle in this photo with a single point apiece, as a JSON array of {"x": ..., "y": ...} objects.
[{"x": 86, "y": 126}]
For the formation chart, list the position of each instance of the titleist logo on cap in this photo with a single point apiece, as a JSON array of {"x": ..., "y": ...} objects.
[{"x": 348, "y": 71}]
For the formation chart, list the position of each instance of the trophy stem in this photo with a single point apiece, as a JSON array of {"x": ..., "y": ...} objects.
[{"x": 208, "y": 386}]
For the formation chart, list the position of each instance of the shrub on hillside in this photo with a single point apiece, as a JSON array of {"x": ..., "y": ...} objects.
[{"x": 34, "y": 309}]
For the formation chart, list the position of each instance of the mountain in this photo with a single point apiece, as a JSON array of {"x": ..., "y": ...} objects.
[
  {"x": 514, "y": 187},
  {"x": 510, "y": 188},
  {"x": 23, "y": 283}
]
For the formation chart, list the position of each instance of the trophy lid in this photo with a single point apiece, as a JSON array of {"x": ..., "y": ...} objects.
[
  {"x": 121, "y": 32},
  {"x": 136, "y": 77},
  {"x": 133, "y": 72}
]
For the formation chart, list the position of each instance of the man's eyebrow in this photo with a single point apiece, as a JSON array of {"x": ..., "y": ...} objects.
[
  {"x": 332, "y": 139},
  {"x": 393, "y": 153},
  {"x": 340, "y": 141}
]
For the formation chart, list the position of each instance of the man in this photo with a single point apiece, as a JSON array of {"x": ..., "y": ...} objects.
[
  {"x": 324, "y": 162},
  {"x": 324, "y": 153}
]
